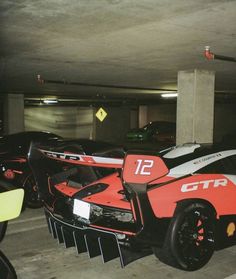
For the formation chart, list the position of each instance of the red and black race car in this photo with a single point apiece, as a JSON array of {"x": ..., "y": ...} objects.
[{"x": 179, "y": 204}]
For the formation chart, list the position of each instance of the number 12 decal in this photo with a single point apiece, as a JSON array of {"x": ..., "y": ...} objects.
[{"x": 144, "y": 166}]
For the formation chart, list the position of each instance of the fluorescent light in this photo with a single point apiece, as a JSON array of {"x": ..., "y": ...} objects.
[
  {"x": 50, "y": 101},
  {"x": 169, "y": 95}
]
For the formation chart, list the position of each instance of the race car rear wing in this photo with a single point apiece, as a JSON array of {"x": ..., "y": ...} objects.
[
  {"x": 81, "y": 159},
  {"x": 59, "y": 163}
]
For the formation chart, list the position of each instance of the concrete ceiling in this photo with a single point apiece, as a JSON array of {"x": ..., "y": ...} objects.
[{"x": 127, "y": 43}]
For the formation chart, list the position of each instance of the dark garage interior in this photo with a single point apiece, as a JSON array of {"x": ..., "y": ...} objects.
[{"x": 64, "y": 62}]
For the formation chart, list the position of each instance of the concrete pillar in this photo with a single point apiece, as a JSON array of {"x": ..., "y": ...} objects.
[
  {"x": 195, "y": 106},
  {"x": 143, "y": 119},
  {"x": 13, "y": 113},
  {"x": 134, "y": 118}
]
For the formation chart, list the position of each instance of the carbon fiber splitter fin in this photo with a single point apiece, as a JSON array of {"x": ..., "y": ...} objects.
[{"x": 95, "y": 242}]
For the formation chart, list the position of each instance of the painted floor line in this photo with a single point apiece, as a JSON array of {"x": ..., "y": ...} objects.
[
  {"x": 26, "y": 229},
  {"x": 27, "y": 220},
  {"x": 231, "y": 276}
]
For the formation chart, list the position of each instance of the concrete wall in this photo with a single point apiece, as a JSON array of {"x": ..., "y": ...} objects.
[
  {"x": 114, "y": 127},
  {"x": 13, "y": 111},
  {"x": 1, "y": 117},
  {"x": 134, "y": 118},
  {"x": 225, "y": 120},
  {"x": 74, "y": 122},
  {"x": 162, "y": 112},
  {"x": 68, "y": 122},
  {"x": 224, "y": 117},
  {"x": 143, "y": 116}
]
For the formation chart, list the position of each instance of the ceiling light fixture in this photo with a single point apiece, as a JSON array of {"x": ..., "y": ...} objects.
[
  {"x": 169, "y": 95},
  {"x": 50, "y": 101}
]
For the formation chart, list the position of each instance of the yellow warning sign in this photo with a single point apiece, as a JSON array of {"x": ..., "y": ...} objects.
[{"x": 101, "y": 114}]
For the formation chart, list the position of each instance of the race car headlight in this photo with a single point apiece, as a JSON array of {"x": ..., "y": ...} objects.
[
  {"x": 120, "y": 216},
  {"x": 108, "y": 213}
]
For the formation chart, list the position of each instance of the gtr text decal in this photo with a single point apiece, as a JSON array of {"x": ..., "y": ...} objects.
[
  {"x": 205, "y": 184},
  {"x": 62, "y": 156}
]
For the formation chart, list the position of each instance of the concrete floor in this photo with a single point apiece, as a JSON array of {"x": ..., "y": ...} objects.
[{"x": 35, "y": 255}]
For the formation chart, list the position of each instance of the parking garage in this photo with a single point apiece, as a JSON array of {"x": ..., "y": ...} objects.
[{"x": 98, "y": 69}]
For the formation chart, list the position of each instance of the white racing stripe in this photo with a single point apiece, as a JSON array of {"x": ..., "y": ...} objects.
[
  {"x": 233, "y": 276},
  {"x": 36, "y": 227},
  {"x": 16, "y": 221},
  {"x": 181, "y": 150},
  {"x": 232, "y": 178},
  {"x": 198, "y": 163}
]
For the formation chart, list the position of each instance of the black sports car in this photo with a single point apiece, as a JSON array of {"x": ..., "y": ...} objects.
[
  {"x": 161, "y": 131},
  {"x": 168, "y": 203},
  {"x": 15, "y": 171}
]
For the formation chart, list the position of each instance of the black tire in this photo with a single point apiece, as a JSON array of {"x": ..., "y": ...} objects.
[
  {"x": 190, "y": 238},
  {"x": 7, "y": 271},
  {"x": 32, "y": 198},
  {"x": 6, "y": 186},
  {"x": 3, "y": 228}
]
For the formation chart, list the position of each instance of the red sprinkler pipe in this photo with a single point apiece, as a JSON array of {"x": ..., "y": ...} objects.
[
  {"x": 211, "y": 56},
  {"x": 39, "y": 79},
  {"x": 208, "y": 54}
]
